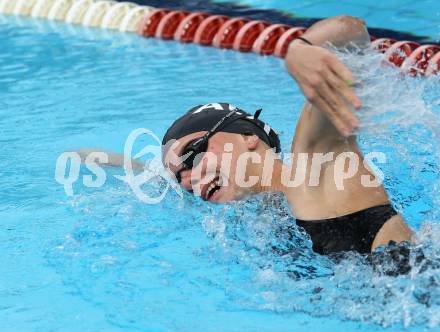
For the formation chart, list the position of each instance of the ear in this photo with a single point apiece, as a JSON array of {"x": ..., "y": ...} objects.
[{"x": 251, "y": 141}]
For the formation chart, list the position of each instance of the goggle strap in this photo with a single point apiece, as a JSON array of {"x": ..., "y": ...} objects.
[
  {"x": 224, "y": 122},
  {"x": 257, "y": 113}
]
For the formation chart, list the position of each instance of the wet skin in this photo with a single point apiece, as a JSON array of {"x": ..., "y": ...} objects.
[{"x": 325, "y": 125}]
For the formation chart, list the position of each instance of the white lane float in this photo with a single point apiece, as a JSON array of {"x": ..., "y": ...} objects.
[
  {"x": 96, "y": 12},
  {"x": 76, "y": 13},
  {"x": 115, "y": 15},
  {"x": 133, "y": 18},
  {"x": 41, "y": 8},
  {"x": 59, "y": 10},
  {"x": 7, "y": 6},
  {"x": 107, "y": 14},
  {"x": 24, "y": 7}
]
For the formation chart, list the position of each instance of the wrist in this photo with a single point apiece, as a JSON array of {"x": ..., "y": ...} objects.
[{"x": 298, "y": 43}]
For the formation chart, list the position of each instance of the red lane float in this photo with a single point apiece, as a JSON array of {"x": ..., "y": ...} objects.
[
  {"x": 285, "y": 39},
  {"x": 149, "y": 24},
  {"x": 186, "y": 30},
  {"x": 225, "y": 36},
  {"x": 382, "y": 44},
  {"x": 266, "y": 41},
  {"x": 208, "y": 28},
  {"x": 399, "y": 51},
  {"x": 169, "y": 23},
  {"x": 418, "y": 60},
  {"x": 265, "y": 38},
  {"x": 247, "y": 35},
  {"x": 434, "y": 65}
]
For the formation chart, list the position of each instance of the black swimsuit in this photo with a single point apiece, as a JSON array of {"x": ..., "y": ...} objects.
[{"x": 355, "y": 231}]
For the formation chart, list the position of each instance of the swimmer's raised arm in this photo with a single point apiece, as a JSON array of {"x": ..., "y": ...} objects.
[
  {"x": 324, "y": 80},
  {"x": 113, "y": 159},
  {"x": 325, "y": 127}
]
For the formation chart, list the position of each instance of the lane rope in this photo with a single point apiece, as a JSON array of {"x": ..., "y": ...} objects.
[{"x": 219, "y": 31}]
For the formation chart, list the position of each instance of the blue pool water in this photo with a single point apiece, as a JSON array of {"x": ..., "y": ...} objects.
[{"x": 102, "y": 260}]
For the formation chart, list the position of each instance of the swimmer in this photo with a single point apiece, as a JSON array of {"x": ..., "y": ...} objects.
[{"x": 358, "y": 218}]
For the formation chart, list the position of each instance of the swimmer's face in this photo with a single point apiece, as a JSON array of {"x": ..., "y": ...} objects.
[{"x": 214, "y": 175}]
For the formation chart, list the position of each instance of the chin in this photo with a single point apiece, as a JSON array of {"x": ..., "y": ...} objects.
[
  {"x": 226, "y": 195},
  {"x": 237, "y": 195}
]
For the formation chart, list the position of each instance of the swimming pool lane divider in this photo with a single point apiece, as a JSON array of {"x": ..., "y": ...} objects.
[
  {"x": 122, "y": 16},
  {"x": 265, "y": 38},
  {"x": 237, "y": 33}
]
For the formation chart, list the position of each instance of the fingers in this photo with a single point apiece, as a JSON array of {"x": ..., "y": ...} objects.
[
  {"x": 343, "y": 89},
  {"x": 340, "y": 80},
  {"x": 333, "y": 116},
  {"x": 326, "y": 82},
  {"x": 335, "y": 107},
  {"x": 340, "y": 92}
]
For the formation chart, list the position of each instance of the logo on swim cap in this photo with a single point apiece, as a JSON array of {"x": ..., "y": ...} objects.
[
  {"x": 216, "y": 106},
  {"x": 205, "y": 117}
]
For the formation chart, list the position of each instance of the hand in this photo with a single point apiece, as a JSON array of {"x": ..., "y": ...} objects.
[{"x": 326, "y": 83}]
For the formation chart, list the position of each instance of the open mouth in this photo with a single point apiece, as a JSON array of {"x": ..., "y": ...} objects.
[{"x": 212, "y": 188}]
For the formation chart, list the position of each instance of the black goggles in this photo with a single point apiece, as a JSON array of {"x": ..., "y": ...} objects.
[{"x": 192, "y": 153}]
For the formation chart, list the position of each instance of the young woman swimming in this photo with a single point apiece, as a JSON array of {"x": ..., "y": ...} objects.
[{"x": 359, "y": 217}]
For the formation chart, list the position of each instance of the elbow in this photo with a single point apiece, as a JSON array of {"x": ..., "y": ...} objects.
[
  {"x": 351, "y": 21},
  {"x": 355, "y": 29}
]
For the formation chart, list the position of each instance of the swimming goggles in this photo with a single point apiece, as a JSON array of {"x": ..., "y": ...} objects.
[{"x": 192, "y": 152}]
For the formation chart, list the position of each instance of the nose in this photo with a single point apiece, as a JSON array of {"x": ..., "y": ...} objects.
[
  {"x": 191, "y": 178},
  {"x": 186, "y": 180},
  {"x": 189, "y": 183}
]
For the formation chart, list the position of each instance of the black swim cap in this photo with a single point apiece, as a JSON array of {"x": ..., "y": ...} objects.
[{"x": 205, "y": 117}]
